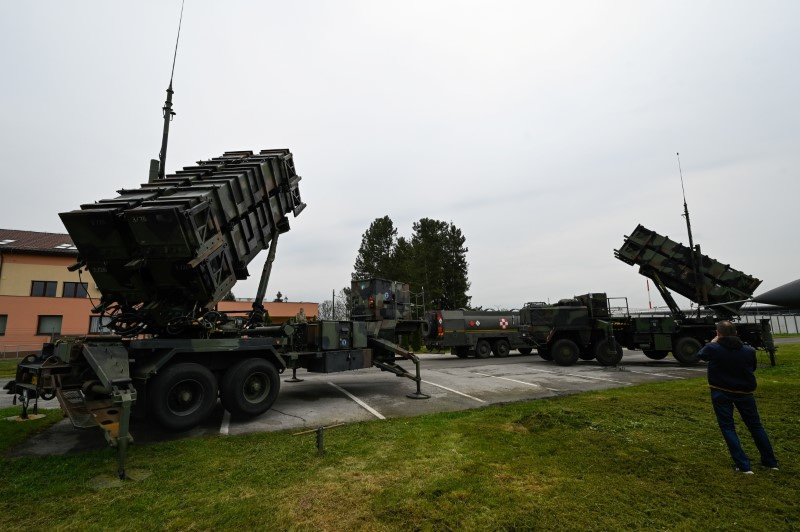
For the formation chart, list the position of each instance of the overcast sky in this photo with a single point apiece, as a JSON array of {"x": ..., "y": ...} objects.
[{"x": 545, "y": 131}]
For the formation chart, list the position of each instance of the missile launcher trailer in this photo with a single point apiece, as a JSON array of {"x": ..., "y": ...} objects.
[
  {"x": 162, "y": 256},
  {"x": 572, "y": 329},
  {"x": 475, "y": 333},
  {"x": 709, "y": 283}
]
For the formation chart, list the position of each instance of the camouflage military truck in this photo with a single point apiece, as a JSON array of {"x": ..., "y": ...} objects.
[
  {"x": 162, "y": 256},
  {"x": 475, "y": 333},
  {"x": 709, "y": 283},
  {"x": 572, "y": 329}
]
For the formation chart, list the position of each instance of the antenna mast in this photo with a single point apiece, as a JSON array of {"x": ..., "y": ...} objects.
[
  {"x": 694, "y": 251},
  {"x": 168, "y": 114}
]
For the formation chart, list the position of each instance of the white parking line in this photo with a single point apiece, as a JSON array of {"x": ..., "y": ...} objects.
[
  {"x": 520, "y": 382},
  {"x": 359, "y": 401},
  {"x": 454, "y": 391},
  {"x": 226, "y": 423},
  {"x": 653, "y": 374},
  {"x": 584, "y": 376}
]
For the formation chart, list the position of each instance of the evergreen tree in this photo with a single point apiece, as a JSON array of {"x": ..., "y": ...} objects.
[
  {"x": 433, "y": 260},
  {"x": 375, "y": 254},
  {"x": 440, "y": 264},
  {"x": 455, "y": 283}
]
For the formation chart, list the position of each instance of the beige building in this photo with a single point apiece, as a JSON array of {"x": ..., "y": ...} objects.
[{"x": 40, "y": 297}]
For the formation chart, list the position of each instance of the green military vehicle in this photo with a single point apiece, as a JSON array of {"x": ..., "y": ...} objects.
[
  {"x": 162, "y": 256},
  {"x": 572, "y": 329},
  {"x": 717, "y": 289},
  {"x": 476, "y": 333}
]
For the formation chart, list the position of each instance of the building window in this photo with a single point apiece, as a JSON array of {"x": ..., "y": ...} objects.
[
  {"x": 3, "y": 321},
  {"x": 43, "y": 288},
  {"x": 99, "y": 325},
  {"x": 75, "y": 289},
  {"x": 49, "y": 325}
]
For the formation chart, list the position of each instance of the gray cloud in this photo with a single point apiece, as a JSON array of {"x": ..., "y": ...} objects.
[{"x": 545, "y": 131}]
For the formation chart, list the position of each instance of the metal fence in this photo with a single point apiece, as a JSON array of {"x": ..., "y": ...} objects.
[{"x": 12, "y": 351}]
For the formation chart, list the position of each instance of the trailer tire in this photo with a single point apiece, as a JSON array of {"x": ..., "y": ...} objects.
[
  {"x": 250, "y": 387},
  {"x": 604, "y": 356},
  {"x": 565, "y": 352},
  {"x": 483, "y": 349},
  {"x": 461, "y": 352},
  {"x": 182, "y": 395},
  {"x": 525, "y": 350},
  {"x": 655, "y": 355},
  {"x": 501, "y": 348},
  {"x": 685, "y": 350}
]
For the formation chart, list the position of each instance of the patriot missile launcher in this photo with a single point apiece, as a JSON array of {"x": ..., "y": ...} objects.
[
  {"x": 162, "y": 256},
  {"x": 712, "y": 285}
]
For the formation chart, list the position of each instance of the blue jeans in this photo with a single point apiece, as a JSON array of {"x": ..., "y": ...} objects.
[{"x": 746, "y": 405}]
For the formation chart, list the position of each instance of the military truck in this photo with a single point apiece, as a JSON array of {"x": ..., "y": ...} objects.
[
  {"x": 475, "y": 333},
  {"x": 572, "y": 329},
  {"x": 162, "y": 256},
  {"x": 718, "y": 290}
]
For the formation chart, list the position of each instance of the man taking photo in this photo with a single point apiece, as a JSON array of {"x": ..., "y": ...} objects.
[{"x": 730, "y": 376}]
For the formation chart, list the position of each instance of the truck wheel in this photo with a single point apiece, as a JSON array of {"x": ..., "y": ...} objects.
[
  {"x": 655, "y": 355},
  {"x": 544, "y": 353},
  {"x": 182, "y": 396},
  {"x": 501, "y": 348},
  {"x": 606, "y": 357},
  {"x": 250, "y": 387},
  {"x": 525, "y": 350},
  {"x": 461, "y": 352},
  {"x": 685, "y": 350},
  {"x": 565, "y": 352},
  {"x": 482, "y": 349}
]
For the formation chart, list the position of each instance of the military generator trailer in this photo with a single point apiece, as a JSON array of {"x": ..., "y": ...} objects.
[
  {"x": 162, "y": 257},
  {"x": 475, "y": 333},
  {"x": 718, "y": 290}
]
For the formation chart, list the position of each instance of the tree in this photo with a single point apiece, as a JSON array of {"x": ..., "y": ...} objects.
[
  {"x": 338, "y": 309},
  {"x": 374, "y": 257},
  {"x": 433, "y": 260},
  {"x": 278, "y": 298},
  {"x": 440, "y": 263}
]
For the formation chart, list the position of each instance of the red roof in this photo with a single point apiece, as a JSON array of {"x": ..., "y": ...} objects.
[{"x": 36, "y": 242}]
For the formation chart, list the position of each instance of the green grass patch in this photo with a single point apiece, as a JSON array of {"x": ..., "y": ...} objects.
[
  {"x": 641, "y": 457},
  {"x": 8, "y": 368}
]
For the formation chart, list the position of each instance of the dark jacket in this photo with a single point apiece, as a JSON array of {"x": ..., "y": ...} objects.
[{"x": 730, "y": 365}]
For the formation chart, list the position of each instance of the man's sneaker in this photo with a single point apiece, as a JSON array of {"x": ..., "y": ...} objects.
[{"x": 743, "y": 472}]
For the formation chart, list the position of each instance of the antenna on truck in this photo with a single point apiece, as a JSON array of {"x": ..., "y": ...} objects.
[
  {"x": 694, "y": 251},
  {"x": 157, "y": 168}
]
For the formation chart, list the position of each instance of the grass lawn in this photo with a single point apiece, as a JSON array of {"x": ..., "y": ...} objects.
[
  {"x": 642, "y": 457},
  {"x": 8, "y": 368}
]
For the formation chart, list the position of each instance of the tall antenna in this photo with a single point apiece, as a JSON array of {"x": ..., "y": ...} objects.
[
  {"x": 685, "y": 207},
  {"x": 694, "y": 252},
  {"x": 168, "y": 112}
]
